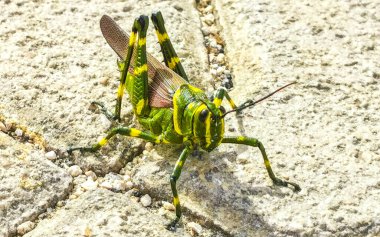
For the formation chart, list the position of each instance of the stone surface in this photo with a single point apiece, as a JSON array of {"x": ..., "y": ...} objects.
[
  {"x": 104, "y": 213},
  {"x": 322, "y": 133},
  {"x": 54, "y": 58},
  {"x": 30, "y": 184}
]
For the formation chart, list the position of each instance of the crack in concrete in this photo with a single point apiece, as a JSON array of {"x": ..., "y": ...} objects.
[
  {"x": 214, "y": 43},
  {"x": 21, "y": 133}
]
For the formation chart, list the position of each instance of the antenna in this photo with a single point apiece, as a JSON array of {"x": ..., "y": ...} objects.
[{"x": 250, "y": 103}]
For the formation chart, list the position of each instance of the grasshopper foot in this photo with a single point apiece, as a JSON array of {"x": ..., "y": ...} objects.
[
  {"x": 172, "y": 226},
  {"x": 283, "y": 183},
  {"x": 110, "y": 116}
]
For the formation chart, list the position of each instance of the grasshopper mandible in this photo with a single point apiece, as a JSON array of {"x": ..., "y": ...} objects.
[{"x": 165, "y": 103}]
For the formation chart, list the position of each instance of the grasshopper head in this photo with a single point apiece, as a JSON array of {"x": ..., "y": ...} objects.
[{"x": 208, "y": 125}]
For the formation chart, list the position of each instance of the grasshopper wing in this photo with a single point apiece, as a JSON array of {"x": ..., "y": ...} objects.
[{"x": 163, "y": 82}]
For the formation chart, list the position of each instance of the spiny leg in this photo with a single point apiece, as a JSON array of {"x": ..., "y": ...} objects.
[
  {"x": 256, "y": 143},
  {"x": 132, "y": 132},
  {"x": 124, "y": 47},
  {"x": 170, "y": 56},
  {"x": 137, "y": 84},
  {"x": 173, "y": 181}
]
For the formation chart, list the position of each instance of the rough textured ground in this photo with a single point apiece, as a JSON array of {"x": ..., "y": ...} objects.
[{"x": 322, "y": 133}]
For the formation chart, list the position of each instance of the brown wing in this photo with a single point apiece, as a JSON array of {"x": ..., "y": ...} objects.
[{"x": 163, "y": 82}]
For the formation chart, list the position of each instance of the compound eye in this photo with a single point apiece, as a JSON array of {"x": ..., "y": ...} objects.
[
  {"x": 203, "y": 115},
  {"x": 222, "y": 109}
]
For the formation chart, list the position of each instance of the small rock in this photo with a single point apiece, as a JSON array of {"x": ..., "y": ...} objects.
[
  {"x": 148, "y": 146},
  {"x": 119, "y": 185},
  {"x": 219, "y": 70},
  {"x": 129, "y": 184},
  {"x": 74, "y": 170},
  {"x": 91, "y": 174},
  {"x": 195, "y": 228},
  {"x": 2, "y": 127},
  {"x": 220, "y": 58},
  {"x": 19, "y": 132},
  {"x": 209, "y": 9},
  {"x": 213, "y": 72},
  {"x": 72, "y": 196},
  {"x": 156, "y": 156},
  {"x": 205, "y": 31},
  {"x": 127, "y": 177},
  {"x": 104, "y": 81},
  {"x": 214, "y": 66},
  {"x": 209, "y": 19},
  {"x": 25, "y": 227},
  {"x": 106, "y": 184},
  {"x": 146, "y": 200},
  {"x": 89, "y": 184},
  {"x": 168, "y": 206},
  {"x": 51, "y": 155}
]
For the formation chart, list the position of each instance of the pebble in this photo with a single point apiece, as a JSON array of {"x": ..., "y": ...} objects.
[
  {"x": 146, "y": 200},
  {"x": 25, "y": 227},
  {"x": 220, "y": 58},
  {"x": 3, "y": 127},
  {"x": 148, "y": 146},
  {"x": 219, "y": 70},
  {"x": 127, "y": 177},
  {"x": 104, "y": 81},
  {"x": 209, "y": 19},
  {"x": 74, "y": 170},
  {"x": 119, "y": 185},
  {"x": 91, "y": 174},
  {"x": 213, "y": 72},
  {"x": 195, "y": 228},
  {"x": 209, "y": 9},
  {"x": 106, "y": 184},
  {"x": 18, "y": 132},
  {"x": 51, "y": 155},
  {"x": 168, "y": 206},
  {"x": 205, "y": 31},
  {"x": 89, "y": 184},
  {"x": 129, "y": 184}
]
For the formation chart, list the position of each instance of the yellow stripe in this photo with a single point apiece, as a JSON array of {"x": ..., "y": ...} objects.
[
  {"x": 134, "y": 132},
  {"x": 140, "y": 105},
  {"x": 173, "y": 62},
  {"x": 232, "y": 103},
  {"x": 176, "y": 121},
  {"x": 142, "y": 41},
  {"x": 102, "y": 142},
  {"x": 120, "y": 91},
  {"x": 240, "y": 138},
  {"x": 161, "y": 37},
  {"x": 217, "y": 102},
  {"x": 179, "y": 163},
  {"x": 208, "y": 132},
  {"x": 176, "y": 201},
  {"x": 139, "y": 70},
  {"x": 132, "y": 39}
]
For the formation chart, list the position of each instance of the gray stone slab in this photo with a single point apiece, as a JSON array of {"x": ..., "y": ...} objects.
[
  {"x": 55, "y": 62},
  {"x": 104, "y": 213},
  {"x": 30, "y": 184},
  {"x": 322, "y": 132}
]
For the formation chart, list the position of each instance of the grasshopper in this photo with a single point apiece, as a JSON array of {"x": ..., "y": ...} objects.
[{"x": 170, "y": 109}]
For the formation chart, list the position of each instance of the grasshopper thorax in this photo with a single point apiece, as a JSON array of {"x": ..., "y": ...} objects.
[{"x": 197, "y": 118}]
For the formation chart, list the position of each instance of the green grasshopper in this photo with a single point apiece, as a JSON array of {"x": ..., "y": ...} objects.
[{"x": 170, "y": 109}]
